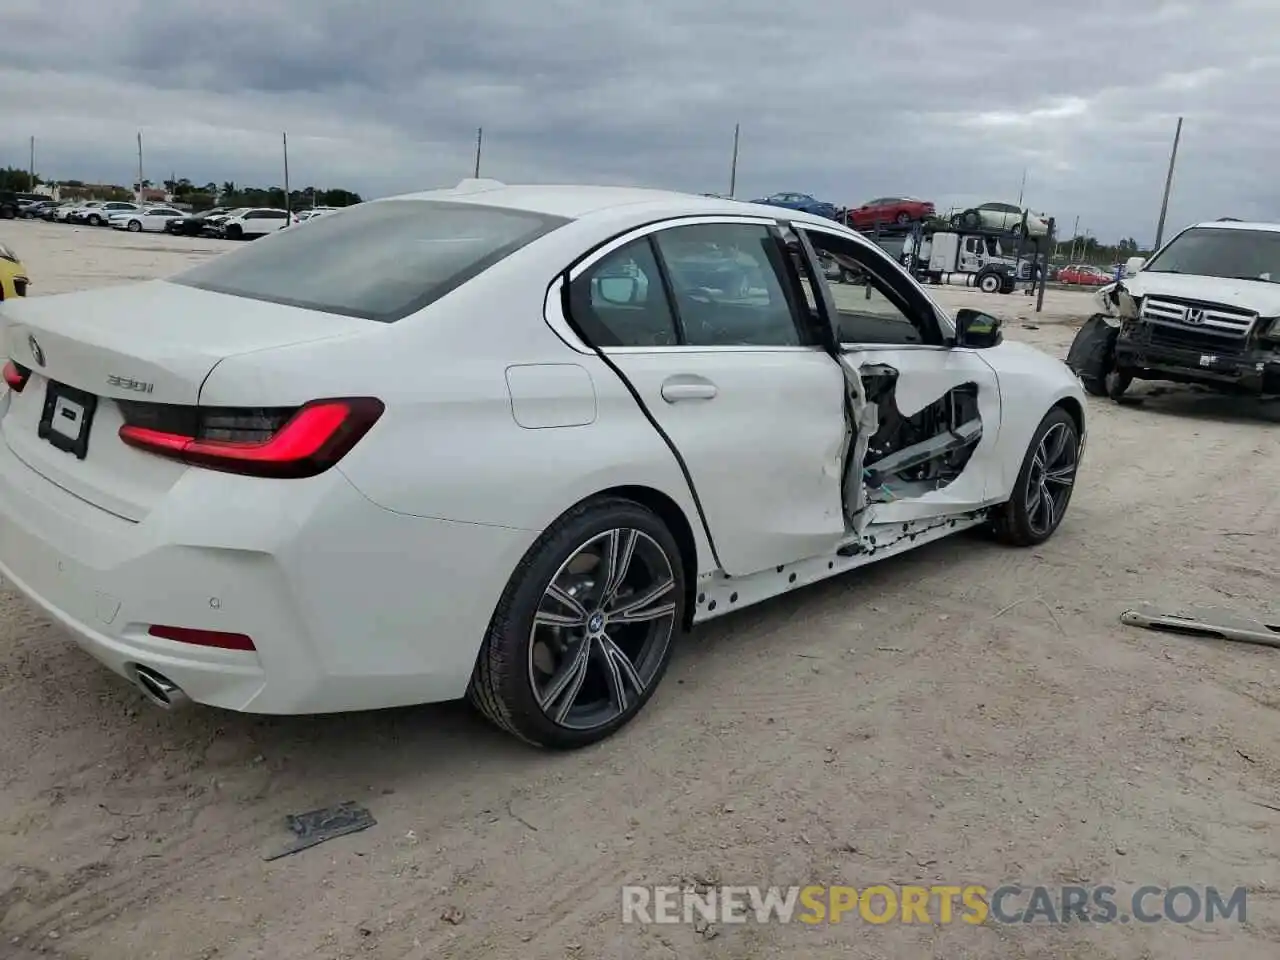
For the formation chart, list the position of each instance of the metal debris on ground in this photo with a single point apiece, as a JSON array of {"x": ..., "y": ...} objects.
[
  {"x": 317, "y": 826},
  {"x": 1205, "y": 622}
]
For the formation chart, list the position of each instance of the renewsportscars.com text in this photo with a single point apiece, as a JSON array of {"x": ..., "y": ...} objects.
[{"x": 937, "y": 904}]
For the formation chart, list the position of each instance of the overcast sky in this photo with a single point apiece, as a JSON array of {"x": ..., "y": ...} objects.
[{"x": 937, "y": 99}]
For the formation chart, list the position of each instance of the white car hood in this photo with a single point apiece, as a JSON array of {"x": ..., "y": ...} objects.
[{"x": 1256, "y": 295}]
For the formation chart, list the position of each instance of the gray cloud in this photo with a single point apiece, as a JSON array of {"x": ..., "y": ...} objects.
[{"x": 930, "y": 98}]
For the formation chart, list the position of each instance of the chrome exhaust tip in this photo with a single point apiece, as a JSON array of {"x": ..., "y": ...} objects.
[{"x": 159, "y": 689}]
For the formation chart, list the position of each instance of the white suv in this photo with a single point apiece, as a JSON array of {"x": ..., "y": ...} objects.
[
  {"x": 255, "y": 222},
  {"x": 100, "y": 215}
]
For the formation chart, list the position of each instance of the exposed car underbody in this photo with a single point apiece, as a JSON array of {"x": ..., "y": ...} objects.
[
  {"x": 895, "y": 456},
  {"x": 910, "y": 456}
]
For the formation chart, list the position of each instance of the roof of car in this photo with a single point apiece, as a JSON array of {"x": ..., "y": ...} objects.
[
  {"x": 1240, "y": 225},
  {"x": 576, "y": 201}
]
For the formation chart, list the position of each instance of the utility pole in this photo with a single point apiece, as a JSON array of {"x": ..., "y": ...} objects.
[
  {"x": 1022, "y": 189},
  {"x": 479, "y": 143},
  {"x": 31, "y": 168},
  {"x": 1168, "y": 185},
  {"x": 1075, "y": 232},
  {"x": 733, "y": 169},
  {"x": 139, "y": 166},
  {"x": 284, "y": 140}
]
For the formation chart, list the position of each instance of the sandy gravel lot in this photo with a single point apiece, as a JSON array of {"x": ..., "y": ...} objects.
[{"x": 965, "y": 714}]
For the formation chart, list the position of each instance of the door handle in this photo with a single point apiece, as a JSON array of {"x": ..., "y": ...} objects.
[{"x": 687, "y": 387}]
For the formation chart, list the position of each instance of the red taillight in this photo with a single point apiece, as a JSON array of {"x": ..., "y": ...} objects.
[
  {"x": 15, "y": 375},
  {"x": 203, "y": 638},
  {"x": 312, "y": 440}
]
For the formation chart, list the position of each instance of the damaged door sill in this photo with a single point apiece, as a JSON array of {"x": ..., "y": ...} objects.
[{"x": 719, "y": 594}]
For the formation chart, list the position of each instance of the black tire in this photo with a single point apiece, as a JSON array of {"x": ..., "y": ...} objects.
[
  {"x": 1116, "y": 382},
  {"x": 1094, "y": 386},
  {"x": 8, "y": 213},
  {"x": 235, "y": 232},
  {"x": 1014, "y": 521},
  {"x": 1095, "y": 368},
  {"x": 93, "y": 220},
  {"x": 989, "y": 282},
  {"x": 902, "y": 219},
  {"x": 135, "y": 226},
  {"x": 971, "y": 219},
  {"x": 503, "y": 684}
]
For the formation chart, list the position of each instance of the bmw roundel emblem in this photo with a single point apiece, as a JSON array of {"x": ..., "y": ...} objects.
[{"x": 36, "y": 352}]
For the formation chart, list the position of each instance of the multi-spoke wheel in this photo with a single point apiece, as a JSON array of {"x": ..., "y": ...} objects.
[
  {"x": 584, "y": 631},
  {"x": 1044, "y": 485}
]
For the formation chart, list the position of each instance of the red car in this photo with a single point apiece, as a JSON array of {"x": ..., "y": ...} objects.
[
  {"x": 1084, "y": 274},
  {"x": 888, "y": 211}
]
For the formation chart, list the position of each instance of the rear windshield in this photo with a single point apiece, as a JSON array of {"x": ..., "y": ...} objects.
[{"x": 381, "y": 260}]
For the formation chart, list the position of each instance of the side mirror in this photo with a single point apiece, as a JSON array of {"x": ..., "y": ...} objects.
[
  {"x": 977, "y": 329},
  {"x": 1133, "y": 265},
  {"x": 618, "y": 291}
]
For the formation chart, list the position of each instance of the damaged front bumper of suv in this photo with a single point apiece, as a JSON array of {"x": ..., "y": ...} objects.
[
  {"x": 1165, "y": 338},
  {"x": 1155, "y": 351}
]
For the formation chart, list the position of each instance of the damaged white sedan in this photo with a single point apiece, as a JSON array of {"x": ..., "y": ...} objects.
[{"x": 499, "y": 442}]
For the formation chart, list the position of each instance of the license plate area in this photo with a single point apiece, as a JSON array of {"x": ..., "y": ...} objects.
[{"x": 67, "y": 418}]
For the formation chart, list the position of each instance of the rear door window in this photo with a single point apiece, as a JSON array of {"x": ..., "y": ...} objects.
[
  {"x": 727, "y": 282},
  {"x": 381, "y": 260},
  {"x": 621, "y": 302}
]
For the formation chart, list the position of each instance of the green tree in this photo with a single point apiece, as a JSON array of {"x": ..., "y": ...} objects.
[{"x": 19, "y": 180}]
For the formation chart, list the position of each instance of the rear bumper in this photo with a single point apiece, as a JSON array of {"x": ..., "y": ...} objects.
[
  {"x": 350, "y": 606},
  {"x": 1252, "y": 371}
]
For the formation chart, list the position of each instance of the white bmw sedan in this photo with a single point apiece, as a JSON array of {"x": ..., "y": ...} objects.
[{"x": 504, "y": 442}]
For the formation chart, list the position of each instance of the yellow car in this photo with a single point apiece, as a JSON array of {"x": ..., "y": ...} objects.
[{"x": 13, "y": 275}]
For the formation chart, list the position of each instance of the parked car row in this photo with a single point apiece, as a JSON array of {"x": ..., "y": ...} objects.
[
  {"x": 13, "y": 204},
  {"x": 900, "y": 211},
  {"x": 1085, "y": 275},
  {"x": 240, "y": 223}
]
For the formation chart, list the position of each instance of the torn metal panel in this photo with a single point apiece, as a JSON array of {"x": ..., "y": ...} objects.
[
  {"x": 1211, "y": 622},
  {"x": 927, "y": 434},
  {"x": 1116, "y": 303},
  {"x": 863, "y": 423},
  {"x": 924, "y": 453},
  {"x": 317, "y": 826}
]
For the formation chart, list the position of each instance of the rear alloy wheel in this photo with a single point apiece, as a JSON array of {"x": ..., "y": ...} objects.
[
  {"x": 134, "y": 226},
  {"x": 1044, "y": 485},
  {"x": 93, "y": 220},
  {"x": 583, "y": 633},
  {"x": 903, "y": 218}
]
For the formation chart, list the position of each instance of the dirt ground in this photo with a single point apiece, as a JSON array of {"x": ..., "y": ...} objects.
[{"x": 964, "y": 714}]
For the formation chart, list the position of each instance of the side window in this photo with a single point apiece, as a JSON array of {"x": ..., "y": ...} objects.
[
  {"x": 874, "y": 303},
  {"x": 620, "y": 302},
  {"x": 726, "y": 279}
]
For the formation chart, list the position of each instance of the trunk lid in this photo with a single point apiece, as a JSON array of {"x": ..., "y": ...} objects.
[{"x": 153, "y": 342}]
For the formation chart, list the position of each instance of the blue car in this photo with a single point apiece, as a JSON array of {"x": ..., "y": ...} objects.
[{"x": 801, "y": 201}]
